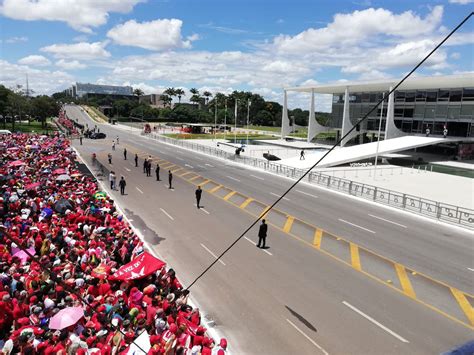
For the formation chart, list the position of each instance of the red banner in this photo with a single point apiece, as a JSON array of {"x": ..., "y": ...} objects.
[{"x": 138, "y": 268}]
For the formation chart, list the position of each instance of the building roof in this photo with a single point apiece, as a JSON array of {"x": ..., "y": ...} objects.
[{"x": 413, "y": 83}]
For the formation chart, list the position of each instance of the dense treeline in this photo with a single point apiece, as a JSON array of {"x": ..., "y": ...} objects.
[
  {"x": 203, "y": 108},
  {"x": 17, "y": 105}
]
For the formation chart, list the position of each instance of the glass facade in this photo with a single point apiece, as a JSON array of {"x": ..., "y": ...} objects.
[
  {"x": 414, "y": 110},
  {"x": 83, "y": 89}
]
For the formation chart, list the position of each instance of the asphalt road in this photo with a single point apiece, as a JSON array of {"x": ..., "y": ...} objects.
[{"x": 291, "y": 298}]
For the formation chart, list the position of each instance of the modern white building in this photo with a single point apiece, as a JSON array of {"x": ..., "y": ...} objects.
[{"x": 419, "y": 103}]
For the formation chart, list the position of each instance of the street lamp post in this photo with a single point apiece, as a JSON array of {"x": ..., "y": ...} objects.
[
  {"x": 235, "y": 120},
  {"x": 248, "y": 113},
  {"x": 225, "y": 120},
  {"x": 378, "y": 136},
  {"x": 215, "y": 118}
]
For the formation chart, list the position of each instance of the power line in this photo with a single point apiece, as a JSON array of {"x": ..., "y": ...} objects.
[{"x": 330, "y": 150}]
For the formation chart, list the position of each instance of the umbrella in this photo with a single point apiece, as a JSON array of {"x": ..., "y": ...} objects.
[
  {"x": 16, "y": 163},
  {"x": 23, "y": 256},
  {"x": 100, "y": 195},
  {"x": 63, "y": 177},
  {"x": 59, "y": 171},
  {"x": 62, "y": 205},
  {"x": 66, "y": 317},
  {"x": 45, "y": 213},
  {"x": 32, "y": 186}
]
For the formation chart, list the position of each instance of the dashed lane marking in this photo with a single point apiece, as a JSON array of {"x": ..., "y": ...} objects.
[
  {"x": 274, "y": 194},
  {"x": 209, "y": 165},
  {"x": 355, "y": 225},
  {"x": 139, "y": 190},
  {"x": 307, "y": 337},
  {"x": 388, "y": 221},
  {"x": 214, "y": 255},
  {"x": 167, "y": 214},
  {"x": 189, "y": 166},
  {"x": 127, "y": 169},
  {"x": 370, "y": 319},
  {"x": 307, "y": 194},
  {"x": 257, "y": 177},
  {"x": 470, "y": 269},
  {"x": 232, "y": 178}
]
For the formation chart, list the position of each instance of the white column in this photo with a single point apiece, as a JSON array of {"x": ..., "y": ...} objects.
[
  {"x": 285, "y": 123},
  {"x": 391, "y": 131},
  {"x": 346, "y": 120},
  {"x": 314, "y": 128}
]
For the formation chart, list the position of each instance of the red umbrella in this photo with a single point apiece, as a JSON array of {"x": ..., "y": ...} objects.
[
  {"x": 16, "y": 163},
  {"x": 59, "y": 171},
  {"x": 32, "y": 186}
]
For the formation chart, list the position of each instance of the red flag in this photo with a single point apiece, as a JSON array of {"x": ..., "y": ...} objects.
[{"x": 138, "y": 268}]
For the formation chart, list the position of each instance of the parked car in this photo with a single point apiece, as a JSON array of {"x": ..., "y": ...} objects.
[{"x": 99, "y": 135}]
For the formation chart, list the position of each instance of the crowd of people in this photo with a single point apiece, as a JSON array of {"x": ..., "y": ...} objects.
[{"x": 67, "y": 258}]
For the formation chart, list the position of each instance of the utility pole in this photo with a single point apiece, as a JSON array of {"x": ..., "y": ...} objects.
[
  {"x": 248, "y": 114},
  {"x": 225, "y": 119},
  {"x": 378, "y": 136},
  {"x": 235, "y": 120},
  {"x": 215, "y": 118}
]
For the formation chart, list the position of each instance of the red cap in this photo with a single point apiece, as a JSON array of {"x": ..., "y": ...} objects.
[{"x": 223, "y": 343}]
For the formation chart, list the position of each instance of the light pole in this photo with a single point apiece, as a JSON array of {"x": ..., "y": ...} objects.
[
  {"x": 235, "y": 120},
  {"x": 215, "y": 118},
  {"x": 378, "y": 136},
  {"x": 248, "y": 113},
  {"x": 225, "y": 120}
]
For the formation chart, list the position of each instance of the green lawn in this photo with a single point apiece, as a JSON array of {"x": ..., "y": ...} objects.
[
  {"x": 33, "y": 127},
  {"x": 229, "y": 136},
  {"x": 264, "y": 128}
]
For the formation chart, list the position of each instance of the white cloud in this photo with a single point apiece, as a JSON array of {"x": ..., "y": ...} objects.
[
  {"x": 16, "y": 39},
  {"x": 357, "y": 27},
  {"x": 153, "y": 35},
  {"x": 35, "y": 60},
  {"x": 79, "y": 14},
  {"x": 41, "y": 81},
  {"x": 455, "y": 55},
  {"x": 461, "y": 2},
  {"x": 82, "y": 50},
  {"x": 70, "y": 65}
]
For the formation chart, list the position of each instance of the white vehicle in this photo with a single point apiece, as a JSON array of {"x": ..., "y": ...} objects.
[{"x": 5, "y": 131}]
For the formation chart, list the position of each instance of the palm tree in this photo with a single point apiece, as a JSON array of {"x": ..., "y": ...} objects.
[
  {"x": 196, "y": 98},
  {"x": 207, "y": 95},
  {"x": 170, "y": 92},
  {"x": 167, "y": 100},
  {"x": 179, "y": 92},
  {"x": 138, "y": 92}
]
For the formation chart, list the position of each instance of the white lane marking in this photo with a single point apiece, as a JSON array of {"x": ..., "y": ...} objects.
[
  {"x": 375, "y": 322},
  {"x": 180, "y": 158},
  {"x": 257, "y": 177},
  {"x": 127, "y": 169},
  {"x": 470, "y": 269},
  {"x": 266, "y": 251},
  {"x": 130, "y": 220},
  {"x": 210, "y": 252},
  {"x": 307, "y": 337},
  {"x": 252, "y": 242},
  {"x": 274, "y": 194},
  {"x": 139, "y": 189},
  {"x": 388, "y": 221},
  {"x": 305, "y": 193},
  {"x": 202, "y": 209},
  {"x": 232, "y": 178},
  {"x": 209, "y": 165},
  {"x": 189, "y": 166},
  {"x": 355, "y": 225},
  {"x": 167, "y": 214}
]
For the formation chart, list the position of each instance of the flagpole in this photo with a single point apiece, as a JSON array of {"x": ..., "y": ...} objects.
[
  {"x": 235, "y": 121},
  {"x": 225, "y": 120}
]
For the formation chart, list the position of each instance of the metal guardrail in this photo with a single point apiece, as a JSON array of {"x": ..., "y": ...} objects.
[{"x": 433, "y": 209}]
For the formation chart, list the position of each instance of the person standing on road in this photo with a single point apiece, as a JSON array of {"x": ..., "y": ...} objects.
[
  {"x": 113, "y": 145},
  {"x": 198, "y": 193},
  {"x": 157, "y": 171},
  {"x": 122, "y": 185},
  {"x": 125, "y": 153},
  {"x": 445, "y": 132},
  {"x": 262, "y": 234},
  {"x": 145, "y": 164},
  {"x": 111, "y": 180},
  {"x": 148, "y": 168},
  {"x": 114, "y": 181},
  {"x": 118, "y": 140},
  {"x": 170, "y": 178},
  {"x": 302, "y": 154},
  {"x": 136, "y": 160},
  {"x": 80, "y": 139},
  {"x": 109, "y": 156}
]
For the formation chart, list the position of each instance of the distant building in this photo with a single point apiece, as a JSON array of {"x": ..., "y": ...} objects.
[
  {"x": 84, "y": 90},
  {"x": 154, "y": 100}
]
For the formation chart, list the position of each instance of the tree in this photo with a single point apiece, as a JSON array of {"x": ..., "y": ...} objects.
[
  {"x": 18, "y": 105},
  {"x": 207, "y": 95},
  {"x": 138, "y": 92},
  {"x": 167, "y": 100},
  {"x": 170, "y": 92},
  {"x": 179, "y": 92},
  {"x": 196, "y": 98},
  {"x": 43, "y": 107}
]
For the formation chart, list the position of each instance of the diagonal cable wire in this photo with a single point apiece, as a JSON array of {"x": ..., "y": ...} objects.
[{"x": 331, "y": 149}]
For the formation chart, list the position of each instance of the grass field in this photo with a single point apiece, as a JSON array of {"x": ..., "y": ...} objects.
[
  {"x": 95, "y": 114},
  {"x": 218, "y": 136},
  {"x": 265, "y": 128},
  {"x": 33, "y": 127}
]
